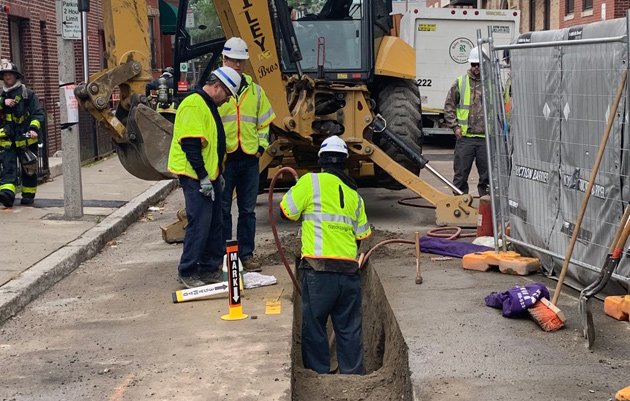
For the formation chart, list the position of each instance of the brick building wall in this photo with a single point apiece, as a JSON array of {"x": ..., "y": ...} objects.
[
  {"x": 35, "y": 22},
  {"x": 601, "y": 10}
]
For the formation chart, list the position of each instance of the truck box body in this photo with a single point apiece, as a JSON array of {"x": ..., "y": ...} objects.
[{"x": 443, "y": 38}]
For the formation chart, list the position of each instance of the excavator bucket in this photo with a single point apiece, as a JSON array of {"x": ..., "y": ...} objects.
[{"x": 146, "y": 154}]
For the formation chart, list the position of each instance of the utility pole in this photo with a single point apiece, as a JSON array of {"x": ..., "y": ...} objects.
[{"x": 69, "y": 30}]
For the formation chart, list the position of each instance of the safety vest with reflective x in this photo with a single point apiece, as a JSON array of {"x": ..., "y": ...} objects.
[
  {"x": 463, "y": 107},
  {"x": 333, "y": 216},
  {"x": 246, "y": 119}
]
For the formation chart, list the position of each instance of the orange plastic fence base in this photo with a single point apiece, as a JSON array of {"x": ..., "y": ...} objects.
[
  {"x": 617, "y": 307},
  {"x": 508, "y": 262}
]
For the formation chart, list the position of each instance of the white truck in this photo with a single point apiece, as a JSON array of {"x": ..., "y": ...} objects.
[{"x": 443, "y": 37}]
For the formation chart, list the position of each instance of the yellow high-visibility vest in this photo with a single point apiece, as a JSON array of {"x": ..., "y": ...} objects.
[
  {"x": 333, "y": 216},
  {"x": 194, "y": 120},
  {"x": 246, "y": 119},
  {"x": 463, "y": 107}
]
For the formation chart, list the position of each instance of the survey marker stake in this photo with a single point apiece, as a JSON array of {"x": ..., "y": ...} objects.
[{"x": 234, "y": 284}]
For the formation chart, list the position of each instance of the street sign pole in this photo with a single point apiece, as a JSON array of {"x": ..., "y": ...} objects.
[{"x": 69, "y": 108}]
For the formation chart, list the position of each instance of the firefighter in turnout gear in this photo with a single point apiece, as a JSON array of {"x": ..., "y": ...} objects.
[
  {"x": 22, "y": 121},
  {"x": 246, "y": 119},
  {"x": 333, "y": 223},
  {"x": 463, "y": 112}
]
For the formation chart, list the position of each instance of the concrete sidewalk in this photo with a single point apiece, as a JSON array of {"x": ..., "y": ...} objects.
[{"x": 40, "y": 247}]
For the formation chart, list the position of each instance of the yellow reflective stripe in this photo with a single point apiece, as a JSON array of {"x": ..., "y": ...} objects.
[
  {"x": 463, "y": 108},
  {"x": 35, "y": 123},
  {"x": 15, "y": 119},
  {"x": 5, "y": 144},
  {"x": 290, "y": 204},
  {"x": 229, "y": 118},
  {"x": 249, "y": 119},
  {"x": 10, "y": 187},
  {"x": 318, "y": 235},
  {"x": 20, "y": 143},
  {"x": 335, "y": 218},
  {"x": 266, "y": 116},
  {"x": 29, "y": 190}
]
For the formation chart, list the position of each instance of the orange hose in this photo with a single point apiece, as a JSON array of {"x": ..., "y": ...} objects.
[{"x": 272, "y": 222}]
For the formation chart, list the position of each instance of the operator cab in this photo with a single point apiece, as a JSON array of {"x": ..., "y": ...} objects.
[{"x": 337, "y": 40}]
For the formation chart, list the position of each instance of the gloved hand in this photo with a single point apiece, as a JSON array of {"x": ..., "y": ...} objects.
[
  {"x": 222, "y": 183},
  {"x": 206, "y": 188}
]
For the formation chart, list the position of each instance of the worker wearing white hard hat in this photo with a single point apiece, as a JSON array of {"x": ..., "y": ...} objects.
[
  {"x": 463, "y": 112},
  {"x": 246, "y": 118},
  {"x": 196, "y": 155},
  {"x": 333, "y": 222}
]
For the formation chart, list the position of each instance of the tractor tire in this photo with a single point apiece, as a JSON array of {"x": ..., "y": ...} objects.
[{"x": 398, "y": 101}]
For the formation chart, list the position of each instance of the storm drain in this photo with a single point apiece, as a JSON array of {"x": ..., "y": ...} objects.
[{"x": 386, "y": 358}]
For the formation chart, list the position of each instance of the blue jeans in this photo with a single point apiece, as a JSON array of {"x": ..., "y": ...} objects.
[
  {"x": 203, "y": 244},
  {"x": 338, "y": 296},
  {"x": 241, "y": 174}
]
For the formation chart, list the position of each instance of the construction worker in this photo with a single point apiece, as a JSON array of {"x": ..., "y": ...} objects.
[
  {"x": 333, "y": 222},
  {"x": 463, "y": 112},
  {"x": 22, "y": 123},
  {"x": 246, "y": 119},
  {"x": 197, "y": 150},
  {"x": 507, "y": 90},
  {"x": 167, "y": 74}
]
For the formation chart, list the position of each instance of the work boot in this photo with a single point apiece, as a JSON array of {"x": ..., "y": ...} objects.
[
  {"x": 27, "y": 201},
  {"x": 190, "y": 281},
  {"x": 250, "y": 265},
  {"x": 211, "y": 277},
  {"x": 6, "y": 199}
]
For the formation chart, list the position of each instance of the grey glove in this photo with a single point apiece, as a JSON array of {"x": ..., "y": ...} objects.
[
  {"x": 206, "y": 188},
  {"x": 222, "y": 183}
]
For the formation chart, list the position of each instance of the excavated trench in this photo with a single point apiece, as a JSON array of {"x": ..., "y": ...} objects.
[{"x": 386, "y": 358}]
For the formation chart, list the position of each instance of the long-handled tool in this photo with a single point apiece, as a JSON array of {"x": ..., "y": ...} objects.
[
  {"x": 418, "y": 276},
  {"x": 546, "y": 317},
  {"x": 611, "y": 263}
]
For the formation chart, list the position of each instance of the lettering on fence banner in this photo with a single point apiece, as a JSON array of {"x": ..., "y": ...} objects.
[
  {"x": 583, "y": 234},
  {"x": 530, "y": 173},
  {"x": 517, "y": 211},
  {"x": 573, "y": 181},
  {"x": 575, "y": 33},
  {"x": 524, "y": 38}
]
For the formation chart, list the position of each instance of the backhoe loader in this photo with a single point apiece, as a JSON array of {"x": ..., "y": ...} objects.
[{"x": 336, "y": 70}]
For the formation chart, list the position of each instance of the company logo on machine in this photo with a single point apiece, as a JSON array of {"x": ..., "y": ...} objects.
[{"x": 460, "y": 49}]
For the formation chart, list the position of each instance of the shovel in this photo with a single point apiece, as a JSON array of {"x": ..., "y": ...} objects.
[{"x": 612, "y": 261}]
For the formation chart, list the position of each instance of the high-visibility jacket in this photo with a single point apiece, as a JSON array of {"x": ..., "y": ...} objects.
[
  {"x": 463, "y": 107},
  {"x": 507, "y": 98},
  {"x": 246, "y": 119},
  {"x": 26, "y": 115},
  {"x": 333, "y": 216},
  {"x": 194, "y": 120}
]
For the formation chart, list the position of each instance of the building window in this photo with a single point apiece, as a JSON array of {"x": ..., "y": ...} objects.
[
  {"x": 532, "y": 15},
  {"x": 587, "y": 5},
  {"x": 152, "y": 42},
  {"x": 568, "y": 7},
  {"x": 15, "y": 33}
]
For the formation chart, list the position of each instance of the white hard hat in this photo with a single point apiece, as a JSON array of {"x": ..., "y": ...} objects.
[
  {"x": 333, "y": 144},
  {"x": 235, "y": 48},
  {"x": 473, "y": 57},
  {"x": 230, "y": 78}
]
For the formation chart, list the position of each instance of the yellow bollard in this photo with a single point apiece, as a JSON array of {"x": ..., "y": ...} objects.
[{"x": 235, "y": 311}]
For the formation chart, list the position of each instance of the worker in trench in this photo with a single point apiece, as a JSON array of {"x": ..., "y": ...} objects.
[{"x": 333, "y": 224}]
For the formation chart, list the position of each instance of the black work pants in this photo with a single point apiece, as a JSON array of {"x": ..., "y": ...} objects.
[
  {"x": 8, "y": 178},
  {"x": 203, "y": 245},
  {"x": 336, "y": 295},
  {"x": 467, "y": 151}
]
